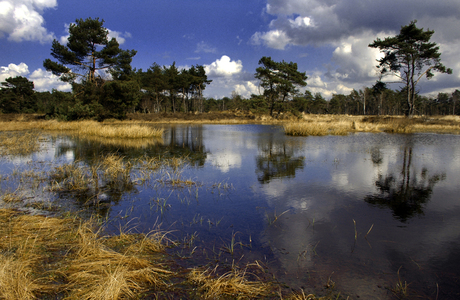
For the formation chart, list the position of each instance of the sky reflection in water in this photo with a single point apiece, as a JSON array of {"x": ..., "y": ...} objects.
[{"x": 295, "y": 203}]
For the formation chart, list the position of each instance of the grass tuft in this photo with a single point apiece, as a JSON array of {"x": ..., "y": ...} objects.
[
  {"x": 302, "y": 296},
  {"x": 18, "y": 144},
  {"x": 46, "y": 256},
  {"x": 16, "y": 280},
  {"x": 233, "y": 284}
]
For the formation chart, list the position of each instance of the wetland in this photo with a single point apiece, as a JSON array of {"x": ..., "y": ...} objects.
[{"x": 363, "y": 215}]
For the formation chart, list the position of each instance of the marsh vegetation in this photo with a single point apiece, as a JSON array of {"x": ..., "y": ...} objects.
[
  {"x": 320, "y": 125},
  {"x": 229, "y": 211},
  {"x": 58, "y": 236}
]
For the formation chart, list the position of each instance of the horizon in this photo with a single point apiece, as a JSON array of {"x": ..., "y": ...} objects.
[{"x": 329, "y": 41}]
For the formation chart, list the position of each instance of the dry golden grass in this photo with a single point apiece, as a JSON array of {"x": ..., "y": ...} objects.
[
  {"x": 99, "y": 272},
  {"x": 302, "y": 296},
  {"x": 77, "y": 176},
  {"x": 318, "y": 125},
  {"x": 18, "y": 144},
  {"x": 43, "y": 256},
  {"x": 233, "y": 283},
  {"x": 317, "y": 128},
  {"x": 16, "y": 281},
  {"x": 121, "y": 132},
  {"x": 115, "y": 168},
  {"x": 22, "y": 260},
  {"x": 112, "y": 171},
  {"x": 126, "y": 143},
  {"x": 11, "y": 197},
  {"x": 88, "y": 128},
  {"x": 66, "y": 258},
  {"x": 72, "y": 177}
]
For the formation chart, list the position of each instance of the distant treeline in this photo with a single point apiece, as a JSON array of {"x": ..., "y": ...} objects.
[{"x": 165, "y": 89}]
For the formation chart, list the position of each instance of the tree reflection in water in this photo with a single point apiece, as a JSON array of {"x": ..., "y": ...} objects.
[
  {"x": 178, "y": 142},
  {"x": 277, "y": 159},
  {"x": 407, "y": 193}
]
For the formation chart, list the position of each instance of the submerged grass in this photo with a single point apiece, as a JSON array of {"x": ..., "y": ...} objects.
[{"x": 15, "y": 144}]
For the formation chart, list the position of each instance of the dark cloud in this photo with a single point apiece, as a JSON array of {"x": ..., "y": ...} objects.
[
  {"x": 350, "y": 25},
  {"x": 333, "y": 20}
]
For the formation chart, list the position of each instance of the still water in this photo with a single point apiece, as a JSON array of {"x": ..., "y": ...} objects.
[{"x": 361, "y": 213}]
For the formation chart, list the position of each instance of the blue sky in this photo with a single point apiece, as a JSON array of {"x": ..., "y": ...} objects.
[{"x": 327, "y": 38}]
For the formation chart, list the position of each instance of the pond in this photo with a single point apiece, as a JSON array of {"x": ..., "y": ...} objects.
[{"x": 369, "y": 215}]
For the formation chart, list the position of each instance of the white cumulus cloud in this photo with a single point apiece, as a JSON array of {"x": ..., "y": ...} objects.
[
  {"x": 276, "y": 39},
  {"x": 224, "y": 67},
  {"x": 43, "y": 80},
  {"x": 22, "y": 20},
  {"x": 13, "y": 70},
  {"x": 119, "y": 36},
  {"x": 46, "y": 81},
  {"x": 354, "y": 61},
  {"x": 246, "y": 89}
]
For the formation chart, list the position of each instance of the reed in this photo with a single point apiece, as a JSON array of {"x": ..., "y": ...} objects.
[
  {"x": 27, "y": 243},
  {"x": 317, "y": 128},
  {"x": 230, "y": 248},
  {"x": 12, "y": 197},
  {"x": 372, "y": 226},
  {"x": 115, "y": 169},
  {"x": 120, "y": 132},
  {"x": 16, "y": 281},
  {"x": 275, "y": 217},
  {"x": 401, "y": 288},
  {"x": 320, "y": 125},
  {"x": 70, "y": 177},
  {"x": 161, "y": 205},
  {"x": 231, "y": 284},
  {"x": 88, "y": 128},
  {"x": 356, "y": 232}
]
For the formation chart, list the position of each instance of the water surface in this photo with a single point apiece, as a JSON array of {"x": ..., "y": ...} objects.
[{"x": 363, "y": 211}]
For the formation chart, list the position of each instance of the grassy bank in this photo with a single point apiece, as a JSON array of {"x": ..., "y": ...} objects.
[
  {"x": 319, "y": 125},
  {"x": 87, "y": 128},
  {"x": 69, "y": 258},
  {"x": 140, "y": 126}
]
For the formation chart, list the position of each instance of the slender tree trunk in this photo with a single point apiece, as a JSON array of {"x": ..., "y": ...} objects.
[
  {"x": 173, "y": 106},
  {"x": 364, "y": 102}
]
